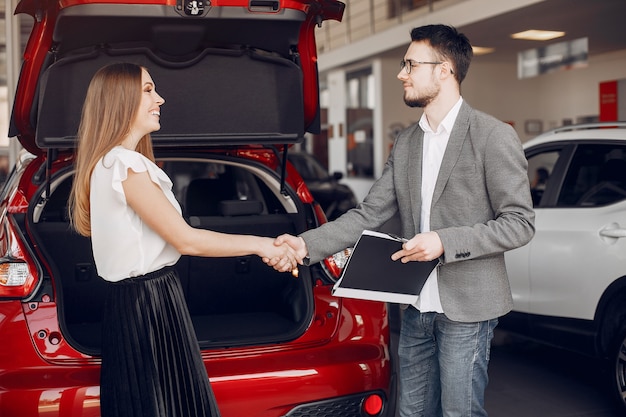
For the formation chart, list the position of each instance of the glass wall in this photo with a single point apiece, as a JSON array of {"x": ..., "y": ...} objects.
[
  {"x": 4, "y": 96},
  {"x": 360, "y": 100},
  {"x": 14, "y": 31}
]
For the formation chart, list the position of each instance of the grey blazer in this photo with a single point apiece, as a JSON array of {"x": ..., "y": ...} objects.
[{"x": 481, "y": 208}]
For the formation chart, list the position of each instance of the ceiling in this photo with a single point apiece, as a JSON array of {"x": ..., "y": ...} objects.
[{"x": 603, "y": 22}]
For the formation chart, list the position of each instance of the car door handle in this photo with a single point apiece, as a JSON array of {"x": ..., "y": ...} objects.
[
  {"x": 616, "y": 233},
  {"x": 612, "y": 232}
]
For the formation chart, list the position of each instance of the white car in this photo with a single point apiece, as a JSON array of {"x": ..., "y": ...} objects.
[{"x": 569, "y": 282}]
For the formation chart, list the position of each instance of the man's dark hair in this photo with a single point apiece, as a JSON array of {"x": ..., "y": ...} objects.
[{"x": 449, "y": 45}]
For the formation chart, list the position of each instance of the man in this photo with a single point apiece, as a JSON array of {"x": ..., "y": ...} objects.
[{"x": 458, "y": 181}]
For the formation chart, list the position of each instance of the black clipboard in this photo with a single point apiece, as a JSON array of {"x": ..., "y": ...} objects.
[{"x": 371, "y": 274}]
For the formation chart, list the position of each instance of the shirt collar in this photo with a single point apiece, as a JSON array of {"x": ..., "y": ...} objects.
[{"x": 447, "y": 123}]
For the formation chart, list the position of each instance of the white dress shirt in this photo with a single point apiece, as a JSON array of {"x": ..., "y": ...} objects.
[{"x": 434, "y": 146}]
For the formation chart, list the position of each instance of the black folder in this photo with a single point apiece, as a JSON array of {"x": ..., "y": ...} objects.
[{"x": 371, "y": 274}]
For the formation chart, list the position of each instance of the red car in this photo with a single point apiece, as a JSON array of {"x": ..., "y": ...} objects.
[{"x": 240, "y": 81}]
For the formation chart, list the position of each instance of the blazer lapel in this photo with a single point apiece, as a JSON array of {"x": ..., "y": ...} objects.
[
  {"x": 453, "y": 150},
  {"x": 414, "y": 173}
]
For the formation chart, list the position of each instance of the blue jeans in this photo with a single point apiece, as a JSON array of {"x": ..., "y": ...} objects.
[{"x": 443, "y": 365}]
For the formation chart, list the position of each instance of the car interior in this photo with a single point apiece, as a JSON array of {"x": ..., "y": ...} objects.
[
  {"x": 596, "y": 177},
  {"x": 246, "y": 92},
  {"x": 232, "y": 301}
]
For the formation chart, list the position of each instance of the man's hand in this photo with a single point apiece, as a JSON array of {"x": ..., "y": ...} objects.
[
  {"x": 423, "y": 247},
  {"x": 280, "y": 257},
  {"x": 296, "y": 243}
]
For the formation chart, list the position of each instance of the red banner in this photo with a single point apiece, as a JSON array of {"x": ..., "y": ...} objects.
[{"x": 608, "y": 101}]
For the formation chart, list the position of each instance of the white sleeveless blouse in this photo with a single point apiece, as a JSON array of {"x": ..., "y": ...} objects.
[{"x": 123, "y": 246}]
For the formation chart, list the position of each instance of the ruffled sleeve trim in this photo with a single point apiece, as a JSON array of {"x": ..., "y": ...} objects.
[{"x": 120, "y": 160}]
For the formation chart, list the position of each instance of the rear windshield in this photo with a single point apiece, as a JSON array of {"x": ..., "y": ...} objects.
[{"x": 205, "y": 188}]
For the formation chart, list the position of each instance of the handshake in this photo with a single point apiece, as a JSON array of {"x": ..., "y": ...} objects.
[{"x": 284, "y": 253}]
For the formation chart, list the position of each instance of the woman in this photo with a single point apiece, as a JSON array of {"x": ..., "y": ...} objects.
[{"x": 151, "y": 362}]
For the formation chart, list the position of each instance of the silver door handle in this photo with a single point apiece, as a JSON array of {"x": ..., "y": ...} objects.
[{"x": 616, "y": 233}]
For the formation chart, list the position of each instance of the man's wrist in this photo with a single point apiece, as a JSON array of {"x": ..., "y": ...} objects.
[{"x": 306, "y": 260}]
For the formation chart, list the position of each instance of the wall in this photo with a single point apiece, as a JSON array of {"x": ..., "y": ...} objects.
[
  {"x": 495, "y": 89},
  {"x": 549, "y": 98}
]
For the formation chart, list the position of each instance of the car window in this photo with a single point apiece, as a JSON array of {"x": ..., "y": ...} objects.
[
  {"x": 540, "y": 167},
  {"x": 202, "y": 186},
  {"x": 596, "y": 176},
  {"x": 309, "y": 168}
]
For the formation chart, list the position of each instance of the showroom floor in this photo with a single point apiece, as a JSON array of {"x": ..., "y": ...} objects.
[{"x": 529, "y": 380}]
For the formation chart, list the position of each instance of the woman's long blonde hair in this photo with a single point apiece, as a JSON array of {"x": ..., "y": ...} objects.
[{"x": 110, "y": 107}]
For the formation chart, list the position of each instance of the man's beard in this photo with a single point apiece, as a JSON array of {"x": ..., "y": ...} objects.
[
  {"x": 418, "y": 102},
  {"x": 421, "y": 102}
]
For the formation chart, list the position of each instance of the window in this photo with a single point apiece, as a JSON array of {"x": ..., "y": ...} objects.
[
  {"x": 596, "y": 176},
  {"x": 540, "y": 167},
  {"x": 205, "y": 188},
  {"x": 360, "y": 103},
  {"x": 398, "y": 7}
]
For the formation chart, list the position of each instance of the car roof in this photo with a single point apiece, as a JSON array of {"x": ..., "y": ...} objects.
[
  {"x": 238, "y": 72},
  {"x": 586, "y": 132}
]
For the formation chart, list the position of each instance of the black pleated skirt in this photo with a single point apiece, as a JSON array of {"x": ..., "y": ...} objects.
[{"x": 151, "y": 362}]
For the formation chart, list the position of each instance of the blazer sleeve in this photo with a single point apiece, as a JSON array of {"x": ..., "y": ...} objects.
[
  {"x": 496, "y": 213},
  {"x": 377, "y": 207}
]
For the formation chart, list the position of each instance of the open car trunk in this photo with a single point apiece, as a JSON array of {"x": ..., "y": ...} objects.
[
  {"x": 215, "y": 94},
  {"x": 230, "y": 74},
  {"x": 232, "y": 301},
  {"x": 231, "y": 77}
]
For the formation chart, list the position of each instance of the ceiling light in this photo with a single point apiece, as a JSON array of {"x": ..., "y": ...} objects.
[
  {"x": 538, "y": 35},
  {"x": 482, "y": 50}
]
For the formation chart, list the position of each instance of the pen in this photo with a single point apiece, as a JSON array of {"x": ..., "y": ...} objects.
[{"x": 398, "y": 238}]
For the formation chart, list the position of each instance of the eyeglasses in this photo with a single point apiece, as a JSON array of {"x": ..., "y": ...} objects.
[{"x": 409, "y": 64}]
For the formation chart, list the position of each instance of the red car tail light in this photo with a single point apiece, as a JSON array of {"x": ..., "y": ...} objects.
[
  {"x": 334, "y": 264},
  {"x": 16, "y": 278},
  {"x": 13, "y": 274}
]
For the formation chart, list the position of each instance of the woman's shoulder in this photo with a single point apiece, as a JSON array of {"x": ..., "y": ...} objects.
[
  {"x": 124, "y": 154},
  {"x": 121, "y": 160},
  {"x": 126, "y": 158}
]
